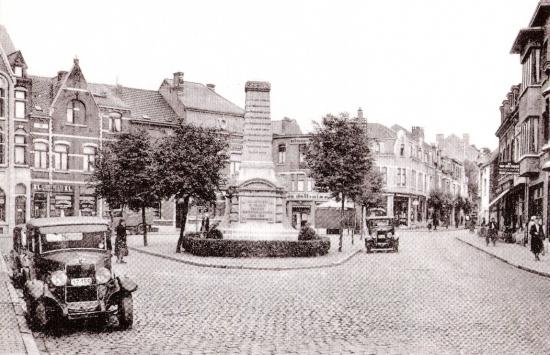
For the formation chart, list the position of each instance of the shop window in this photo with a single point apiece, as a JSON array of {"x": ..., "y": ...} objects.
[
  {"x": 2, "y": 205},
  {"x": 20, "y": 103},
  {"x": 89, "y": 158},
  {"x": 40, "y": 155},
  {"x": 61, "y": 205},
  {"x": 76, "y": 112},
  {"x": 20, "y": 149},
  {"x": 115, "y": 122},
  {"x": 61, "y": 154},
  {"x": 39, "y": 205},
  {"x": 20, "y": 209},
  {"x": 87, "y": 206},
  {"x": 282, "y": 153}
]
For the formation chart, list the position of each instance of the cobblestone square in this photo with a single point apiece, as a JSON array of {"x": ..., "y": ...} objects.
[{"x": 437, "y": 295}]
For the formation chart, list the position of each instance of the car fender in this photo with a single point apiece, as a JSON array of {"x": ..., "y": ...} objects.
[{"x": 37, "y": 289}]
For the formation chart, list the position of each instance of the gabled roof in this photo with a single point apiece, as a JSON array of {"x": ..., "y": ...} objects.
[
  {"x": 379, "y": 131},
  {"x": 5, "y": 41},
  {"x": 541, "y": 13},
  {"x": 146, "y": 105},
  {"x": 199, "y": 97}
]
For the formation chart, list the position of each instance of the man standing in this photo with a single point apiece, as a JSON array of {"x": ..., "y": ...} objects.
[{"x": 493, "y": 232}]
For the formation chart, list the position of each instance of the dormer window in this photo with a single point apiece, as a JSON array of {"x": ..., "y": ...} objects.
[
  {"x": 18, "y": 71},
  {"x": 76, "y": 112}
]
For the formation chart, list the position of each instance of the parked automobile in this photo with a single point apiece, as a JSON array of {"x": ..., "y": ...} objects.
[
  {"x": 63, "y": 265},
  {"x": 381, "y": 235}
]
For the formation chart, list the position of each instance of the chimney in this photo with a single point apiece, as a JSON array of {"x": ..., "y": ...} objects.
[
  {"x": 177, "y": 83},
  {"x": 417, "y": 133},
  {"x": 360, "y": 113},
  {"x": 211, "y": 87},
  {"x": 61, "y": 74}
]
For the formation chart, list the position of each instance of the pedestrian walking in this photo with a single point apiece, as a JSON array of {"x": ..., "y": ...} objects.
[
  {"x": 492, "y": 233},
  {"x": 436, "y": 221},
  {"x": 537, "y": 236},
  {"x": 121, "y": 248}
]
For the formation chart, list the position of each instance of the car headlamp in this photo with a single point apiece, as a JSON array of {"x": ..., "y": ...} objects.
[
  {"x": 102, "y": 275},
  {"x": 58, "y": 278}
]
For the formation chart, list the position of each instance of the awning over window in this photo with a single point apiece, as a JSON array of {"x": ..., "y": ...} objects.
[
  {"x": 498, "y": 197},
  {"x": 546, "y": 166}
]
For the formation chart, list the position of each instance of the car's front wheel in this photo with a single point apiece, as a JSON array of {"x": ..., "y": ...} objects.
[{"x": 126, "y": 312}]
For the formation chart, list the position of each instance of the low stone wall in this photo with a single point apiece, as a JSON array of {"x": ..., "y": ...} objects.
[{"x": 256, "y": 248}]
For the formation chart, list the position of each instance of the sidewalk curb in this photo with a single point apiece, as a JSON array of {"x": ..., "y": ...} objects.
[
  {"x": 518, "y": 266},
  {"x": 26, "y": 334},
  {"x": 237, "y": 267}
]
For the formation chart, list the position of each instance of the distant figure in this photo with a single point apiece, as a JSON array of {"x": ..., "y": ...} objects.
[
  {"x": 205, "y": 224},
  {"x": 537, "y": 236},
  {"x": 121, "y": 248},
  {"x": 493, "y": 232},
  {"x": 436, "y": 222},
  {"x": 483, "y": 222}
]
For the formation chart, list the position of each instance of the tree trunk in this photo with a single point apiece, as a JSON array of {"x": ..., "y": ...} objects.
[
  {"x": 182, "y": 222},
  {"x": 144, "y": 222},
  {"x": 362, "y": 222},
  {"x": 341, "y": 224}
]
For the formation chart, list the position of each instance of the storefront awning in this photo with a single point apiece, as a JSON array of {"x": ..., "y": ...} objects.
[
  {"x": 546, "y": 166},
  {"x": 499, "y": 197}
]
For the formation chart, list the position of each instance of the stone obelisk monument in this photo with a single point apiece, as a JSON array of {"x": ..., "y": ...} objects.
[{"x": 256, "y": 205}]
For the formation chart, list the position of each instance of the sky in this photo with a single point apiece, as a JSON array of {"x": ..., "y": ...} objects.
[{"x": 444, "y": 65}]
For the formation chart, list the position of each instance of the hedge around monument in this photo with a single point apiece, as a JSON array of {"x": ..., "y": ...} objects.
[{"x": 255, "y": 248}]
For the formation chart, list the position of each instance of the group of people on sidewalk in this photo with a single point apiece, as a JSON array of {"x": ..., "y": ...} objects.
[{"x": 535, "y": 233}]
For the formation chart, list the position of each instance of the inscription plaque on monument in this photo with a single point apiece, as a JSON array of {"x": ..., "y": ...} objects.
[{"x": 257, "y": 209}]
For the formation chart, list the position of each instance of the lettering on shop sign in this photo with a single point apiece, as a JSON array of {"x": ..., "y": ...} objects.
[
  {"x": 308, "y": 196},
  {"x": 508, "y": 169},
  {"x": 257, "y": 209},
  {"x": 52, "y": 188},
  {"x": 299, "y": 141}
]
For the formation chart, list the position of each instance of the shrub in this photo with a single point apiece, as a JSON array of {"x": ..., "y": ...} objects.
[
  {"x": 256, "y": 248},
  {"x": 214, "y": 234},
  {"x": 308, "y": 233}
]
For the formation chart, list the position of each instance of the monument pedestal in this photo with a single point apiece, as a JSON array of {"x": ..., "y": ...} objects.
[{"x": 256, "y": 206}]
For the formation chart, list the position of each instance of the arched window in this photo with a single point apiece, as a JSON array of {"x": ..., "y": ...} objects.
[
  {"x": 40, "y": 155},
  {"x": 89, "y": 158},
  {"x": 76, "y": 112},
  {"x": 20, "y": 209},
  {"x": 115, "y": 122},
  {"x": 61, "y": 154},
  {"x": 20, "y": 147}
]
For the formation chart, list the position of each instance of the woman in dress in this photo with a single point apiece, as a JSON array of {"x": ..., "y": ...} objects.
[{"x": 121, "y": 249}]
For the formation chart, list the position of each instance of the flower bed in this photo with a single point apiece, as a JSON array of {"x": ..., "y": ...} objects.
[{"x": 255, "y": 248}]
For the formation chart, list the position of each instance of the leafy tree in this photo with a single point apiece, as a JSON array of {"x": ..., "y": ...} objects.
[
  {"x": 339, "y": 159},
  {"x": 191, "y": 166},
  {"x": 125, "y": 174},
  {"x": 440, "y": 201},
  {"x": 472, "y": 172},
  {"x": 370, "y": 193}
]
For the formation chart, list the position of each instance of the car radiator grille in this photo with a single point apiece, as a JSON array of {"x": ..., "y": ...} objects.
[{"x": 81, "y": 294}]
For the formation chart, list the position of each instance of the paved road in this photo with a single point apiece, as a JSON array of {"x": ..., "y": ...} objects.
[{"x": 437, "y": 296}]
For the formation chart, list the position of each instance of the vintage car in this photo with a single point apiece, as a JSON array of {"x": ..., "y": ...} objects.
[
  {"x": 381, "y": 235},
  {"x": 63, "y": 265}
]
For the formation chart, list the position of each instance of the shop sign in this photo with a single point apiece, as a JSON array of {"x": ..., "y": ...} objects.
[
  {"x": 299, "y": 141},
  {"x": 62, "y": 204},
  {"x": 508, "y": 168},
  {"x": 87, "y": 205},
  {"x": 308, "y": 196},
  {"x": 52, "y": 188}
]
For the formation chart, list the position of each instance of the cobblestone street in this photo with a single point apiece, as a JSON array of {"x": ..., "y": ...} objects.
[{"x": 437, "y": 295}]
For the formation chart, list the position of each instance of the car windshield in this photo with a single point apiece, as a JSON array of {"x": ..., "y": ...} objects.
[
  {"x": 74, "y": 237},
  {"x": 381, "y": 222}
]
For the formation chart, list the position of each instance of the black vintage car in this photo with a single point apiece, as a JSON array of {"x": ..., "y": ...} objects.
[
  {"x": 381, "y": 235},
  {"x": 63, "y": 265}
]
